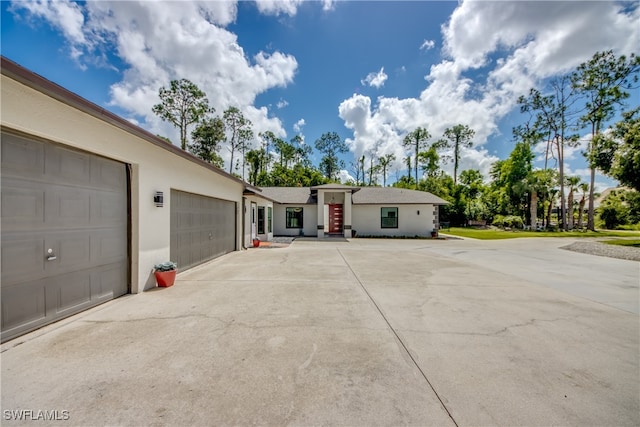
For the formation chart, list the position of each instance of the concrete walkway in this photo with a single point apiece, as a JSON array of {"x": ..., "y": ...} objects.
[{"x": 365, "y": 332}]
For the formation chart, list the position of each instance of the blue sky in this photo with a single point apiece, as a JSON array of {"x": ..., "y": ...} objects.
[{"x": 371, "y": 71}]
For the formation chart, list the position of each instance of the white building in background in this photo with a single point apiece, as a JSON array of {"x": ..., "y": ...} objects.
[{"x": 340, "y": 210}]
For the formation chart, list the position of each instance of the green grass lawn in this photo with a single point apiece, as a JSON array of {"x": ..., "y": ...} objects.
[
  {"x": 626, "y": 242},
  {"x": 501, "y": 234}
]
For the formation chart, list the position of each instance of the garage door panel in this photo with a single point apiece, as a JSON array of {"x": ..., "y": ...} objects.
[
  {"x": 182, "y": 220},
  {"x": 207, "y": 238},
  {"x": 73, "y": 252},
  {"x": 194, "y": 247},
  {"x": 67, "y": 166},
  {"x": 21, "y": 205},
  {"x": 22, "y": 257},
  {"x": 23, "y": 307},
  {"x": 106, "y": 209},
  {"x": 183, "y": 243},
  {"x": 107, "y": 247},
  {"x": 67, "y": 206},
  {"x": 107, "y": 175},
  {"x": 22, "y": 157},
  {"x": 109, "y": 281},
  {"x": 71, "y": 291}
]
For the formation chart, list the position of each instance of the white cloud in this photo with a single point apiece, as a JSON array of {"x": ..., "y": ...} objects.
[
  {"x": 297, "y": 126},
  {"x": 278, "y": 7},
  {"x": 375, "y": 79},
  {"x": 282, "y": 103},
  {"x": 428, "y": 45},
  {"x": 517, "y": 45},
  {"x": 345, "y": 176},
  {"x": 328, "y": 5},
  {"x": 64, "y": 15},
  {"x": 161, "y": 41},
  {"x": 473, "y": 158}
]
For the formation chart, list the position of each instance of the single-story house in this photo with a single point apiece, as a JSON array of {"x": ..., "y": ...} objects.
[
  {"x": 91, "y": 202},
  {"x": 341, "y": 210}
]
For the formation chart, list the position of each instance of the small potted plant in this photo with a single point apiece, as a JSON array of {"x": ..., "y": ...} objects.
[
  {"x": 256, "y": 242},
  {"x": 165, "y": 273}
]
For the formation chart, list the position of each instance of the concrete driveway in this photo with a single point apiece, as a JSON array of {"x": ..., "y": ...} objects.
[{"x": 365, "y": 332}]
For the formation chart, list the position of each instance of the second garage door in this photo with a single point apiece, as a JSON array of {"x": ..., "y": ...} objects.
[{"x": 202, "y": 228}]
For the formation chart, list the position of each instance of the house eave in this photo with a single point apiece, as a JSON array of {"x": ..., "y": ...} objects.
[{"x": 35, "y": 81}]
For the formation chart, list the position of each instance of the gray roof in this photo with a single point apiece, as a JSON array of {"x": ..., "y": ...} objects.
[
  {"x": 361, "y": 195},
  {"x": 289, "y": 195},
  {"x": 392, "y": 195}
]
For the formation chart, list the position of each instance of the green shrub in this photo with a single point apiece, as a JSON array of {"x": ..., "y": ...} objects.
[
  {"x": 612, "y": 216},
  {"x": 498, "y": 221},
  {"x": 514, "y": 222}
]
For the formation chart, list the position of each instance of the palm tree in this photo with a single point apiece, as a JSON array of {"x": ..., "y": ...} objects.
[
  {"x": 384, "y": 162},
  {"x": 418, "y": 140},
  {"x": 572, "y": 183},
  {"x": 584, "y": 188},
  {"x": 552, "y": 197},
  {"x": 539, "y": 183},
  {"x": 457, "y": 137}
]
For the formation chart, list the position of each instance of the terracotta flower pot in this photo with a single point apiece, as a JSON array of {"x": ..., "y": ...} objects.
[
  {"x": 256, "y": 243},
  {"x": 165, "y": 278}
]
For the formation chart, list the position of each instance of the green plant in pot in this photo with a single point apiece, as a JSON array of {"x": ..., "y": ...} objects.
[{"x": 165, "y": 273}]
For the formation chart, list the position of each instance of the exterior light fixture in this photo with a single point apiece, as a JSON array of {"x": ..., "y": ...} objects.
[{"x": 158, "y": 199}]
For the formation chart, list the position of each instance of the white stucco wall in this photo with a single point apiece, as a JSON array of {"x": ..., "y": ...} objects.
[
  {"x": 153, "y": 169},
  {"x": 309, "y": 221},
  {"x": 366, "y": 220}
]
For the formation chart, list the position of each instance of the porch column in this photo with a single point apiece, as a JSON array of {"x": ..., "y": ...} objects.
[
  {"x": 320, "y": 221},
  {"x": 346, "y": 209}
]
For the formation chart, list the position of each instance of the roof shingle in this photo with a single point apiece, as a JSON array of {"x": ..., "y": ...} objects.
[
  {"x": 393, "y": 195},
  {"x": 289, "y": 195}
]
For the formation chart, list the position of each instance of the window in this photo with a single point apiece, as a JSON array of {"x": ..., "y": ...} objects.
[
  {"x": 269, "y": 217},
  {"x": 294, "y": 217},
  {"x": 389, "y": 217},
  {"x": 261, "y": 220}
]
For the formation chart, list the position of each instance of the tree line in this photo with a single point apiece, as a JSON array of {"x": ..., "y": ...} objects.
[
  {"x": 515, "y": 193},
  {"x": 275, "y": 162}
]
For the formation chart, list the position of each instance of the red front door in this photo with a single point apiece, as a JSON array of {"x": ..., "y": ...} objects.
[{"x": 335, "y": 219}]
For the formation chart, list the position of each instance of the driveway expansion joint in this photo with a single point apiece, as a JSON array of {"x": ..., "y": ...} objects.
[{"x": 400, "y": 340}]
